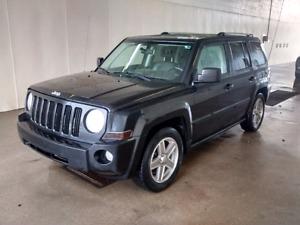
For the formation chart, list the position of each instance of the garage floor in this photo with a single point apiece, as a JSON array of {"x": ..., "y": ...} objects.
[{"x": 239, "y": 178}]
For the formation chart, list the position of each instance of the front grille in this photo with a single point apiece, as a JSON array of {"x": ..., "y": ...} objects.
[
  {"x": 56, "y": 116},
  {"x": 76, "y": 121}
]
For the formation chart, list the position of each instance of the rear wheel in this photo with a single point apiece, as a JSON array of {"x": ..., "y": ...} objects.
[
  {"x": 161, "y": 161},
  {"x": 255, "y": 117}
]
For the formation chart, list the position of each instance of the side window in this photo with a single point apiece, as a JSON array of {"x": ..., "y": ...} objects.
[
  {"x": 257, "y": 54},
  {"x": 247, "y": 56},
  {"x": 212, "y": 56},
  {"x": 240, "y": 58}
]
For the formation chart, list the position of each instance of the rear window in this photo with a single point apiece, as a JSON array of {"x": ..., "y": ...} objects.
[
  {"x": 257, "y": 55},
  {"x": 240, "y": 56}
]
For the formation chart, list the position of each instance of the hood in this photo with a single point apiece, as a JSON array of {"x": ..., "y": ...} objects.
[{"x": 106, "y": 90}]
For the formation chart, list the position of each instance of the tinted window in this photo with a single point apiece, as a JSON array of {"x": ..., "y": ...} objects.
[
  {"x": 257, "y": 55},
  {"x": 240, "y": 58},
  {"x": 246, "y": 54},
  {"x": 212, "y": 56}
]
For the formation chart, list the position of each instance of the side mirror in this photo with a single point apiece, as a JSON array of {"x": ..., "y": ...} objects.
[
  {"x": 99, "y": 61},
  {"x": 297, "y": 71},
  {"x": 265, "y": 38},
  {"x": 208, "y": 75}
]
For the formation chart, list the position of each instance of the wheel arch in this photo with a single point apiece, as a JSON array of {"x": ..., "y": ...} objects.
[
  {"x": 264, "y": 91},
  {"x": 179, "y": 120},
  {"x": 178, "y": 123}
]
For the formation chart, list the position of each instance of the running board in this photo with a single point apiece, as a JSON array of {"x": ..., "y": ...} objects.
[{"x": 213, "y": 136}]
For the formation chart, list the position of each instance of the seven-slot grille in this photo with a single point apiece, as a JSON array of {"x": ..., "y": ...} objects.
[{"x": 56, "y": 116}]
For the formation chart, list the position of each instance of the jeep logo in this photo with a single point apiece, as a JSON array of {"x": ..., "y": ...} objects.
[{"x": 56, "y": 93}]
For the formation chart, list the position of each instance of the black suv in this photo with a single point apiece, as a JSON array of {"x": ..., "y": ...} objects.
[
  {"x": 297, "y": 73},
  {"x": 149, "y": 101}
]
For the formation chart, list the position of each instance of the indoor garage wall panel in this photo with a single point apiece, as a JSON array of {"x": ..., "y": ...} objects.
[
  {"x": 155, "y": 20},
  {"x": 258, "y": 8},
  {"x": 87, "y": 32},
  {"x": 157, "y": 16},
  {"x": 43, "y": 39},
  {"x": 285, "y": 47},
  {"x": 286, "y": 34},
  {"x": 97, "y": 38},
  {"x": 8, "y": 93},
  {"x": 125, "y": 19},
  {"x": 38, "y": 41}
]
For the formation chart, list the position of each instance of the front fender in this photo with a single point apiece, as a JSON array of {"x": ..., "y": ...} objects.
[{"x": 155, "y": 115}]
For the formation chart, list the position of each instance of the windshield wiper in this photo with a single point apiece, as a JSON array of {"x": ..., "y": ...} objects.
[
  {"x": 154, "y": 78},
  {"x": 138, "y": 76},
  {"x": 133, "y": 75}
]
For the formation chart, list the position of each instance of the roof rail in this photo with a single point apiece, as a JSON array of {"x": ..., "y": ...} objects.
[
  {"x": 233, "y": 33},
  {"x": 165, "y": 33}
]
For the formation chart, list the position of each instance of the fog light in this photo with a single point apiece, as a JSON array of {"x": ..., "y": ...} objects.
[
  {"x": 103, "y": 156},
  {"x": 109, "y": 156}
]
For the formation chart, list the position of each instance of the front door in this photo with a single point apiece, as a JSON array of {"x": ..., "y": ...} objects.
[{"x": 209, "y": 98}]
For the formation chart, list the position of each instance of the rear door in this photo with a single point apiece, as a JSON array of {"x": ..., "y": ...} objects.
[
  {"x": 259, "y": 63},
  {"x": 240, "y": 84}
]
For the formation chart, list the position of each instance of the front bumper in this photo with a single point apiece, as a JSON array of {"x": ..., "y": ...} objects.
[{"x": 75, "y": 154}]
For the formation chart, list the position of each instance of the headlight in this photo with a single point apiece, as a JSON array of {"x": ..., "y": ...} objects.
[
  {"x": 95, "y": 120},
  {"x": 29, "y": 101}
]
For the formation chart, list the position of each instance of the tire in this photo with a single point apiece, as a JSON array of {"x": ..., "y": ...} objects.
[
  {"x": 255, "y": 117},
  {"x": 164, "y": 161}
]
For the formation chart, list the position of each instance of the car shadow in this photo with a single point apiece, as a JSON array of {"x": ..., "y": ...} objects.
[
  {"x": 200, "y": 152},
  {"x": 191, "y": 159},
  {"x": 92, "y": 178},
  {"x": 203, "y": 152}
]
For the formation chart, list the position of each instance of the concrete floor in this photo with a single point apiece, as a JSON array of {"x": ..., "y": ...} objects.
[{"x": 236, "y": 179}]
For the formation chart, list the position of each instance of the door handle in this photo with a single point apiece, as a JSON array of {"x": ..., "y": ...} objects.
[
  {"x": 251, "y": 79},
  {"x": 229, "y": 86}
]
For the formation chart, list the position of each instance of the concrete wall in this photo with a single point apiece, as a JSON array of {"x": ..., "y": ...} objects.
[{"x": 43, "y": 39}]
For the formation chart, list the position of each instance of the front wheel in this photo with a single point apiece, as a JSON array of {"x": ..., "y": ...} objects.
[
  {"x": 255, "y": 117},
  {"x": 161, "y": 161}
]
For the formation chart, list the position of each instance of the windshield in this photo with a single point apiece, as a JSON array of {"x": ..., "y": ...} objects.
[{"x": 149, "y": 60}]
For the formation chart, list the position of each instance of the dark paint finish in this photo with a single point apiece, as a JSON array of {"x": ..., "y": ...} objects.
[
  {"x": 297, "y": 68},
  {"x": 105, "y": 90},
  {"x": 200, "y": 109}
]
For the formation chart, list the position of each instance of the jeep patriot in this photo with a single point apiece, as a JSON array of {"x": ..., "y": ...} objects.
[{"x": 150, "y": 101}]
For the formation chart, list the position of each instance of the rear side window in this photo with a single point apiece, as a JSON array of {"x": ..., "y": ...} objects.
[
  {"x": 257, "y": 54},
  {"x": 240, "y": 56},
  {"x": 212, "y": 56}
]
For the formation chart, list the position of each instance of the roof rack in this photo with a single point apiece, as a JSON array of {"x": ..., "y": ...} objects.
[{"x": 233, "y": 33}]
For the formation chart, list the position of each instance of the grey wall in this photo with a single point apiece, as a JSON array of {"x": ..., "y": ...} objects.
[{"x": 43, "y": 39}]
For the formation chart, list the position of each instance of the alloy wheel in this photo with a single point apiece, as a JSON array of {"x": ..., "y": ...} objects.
[
  {"x": 258, "y": 112},
  {"x": 164, "y": 159}
]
